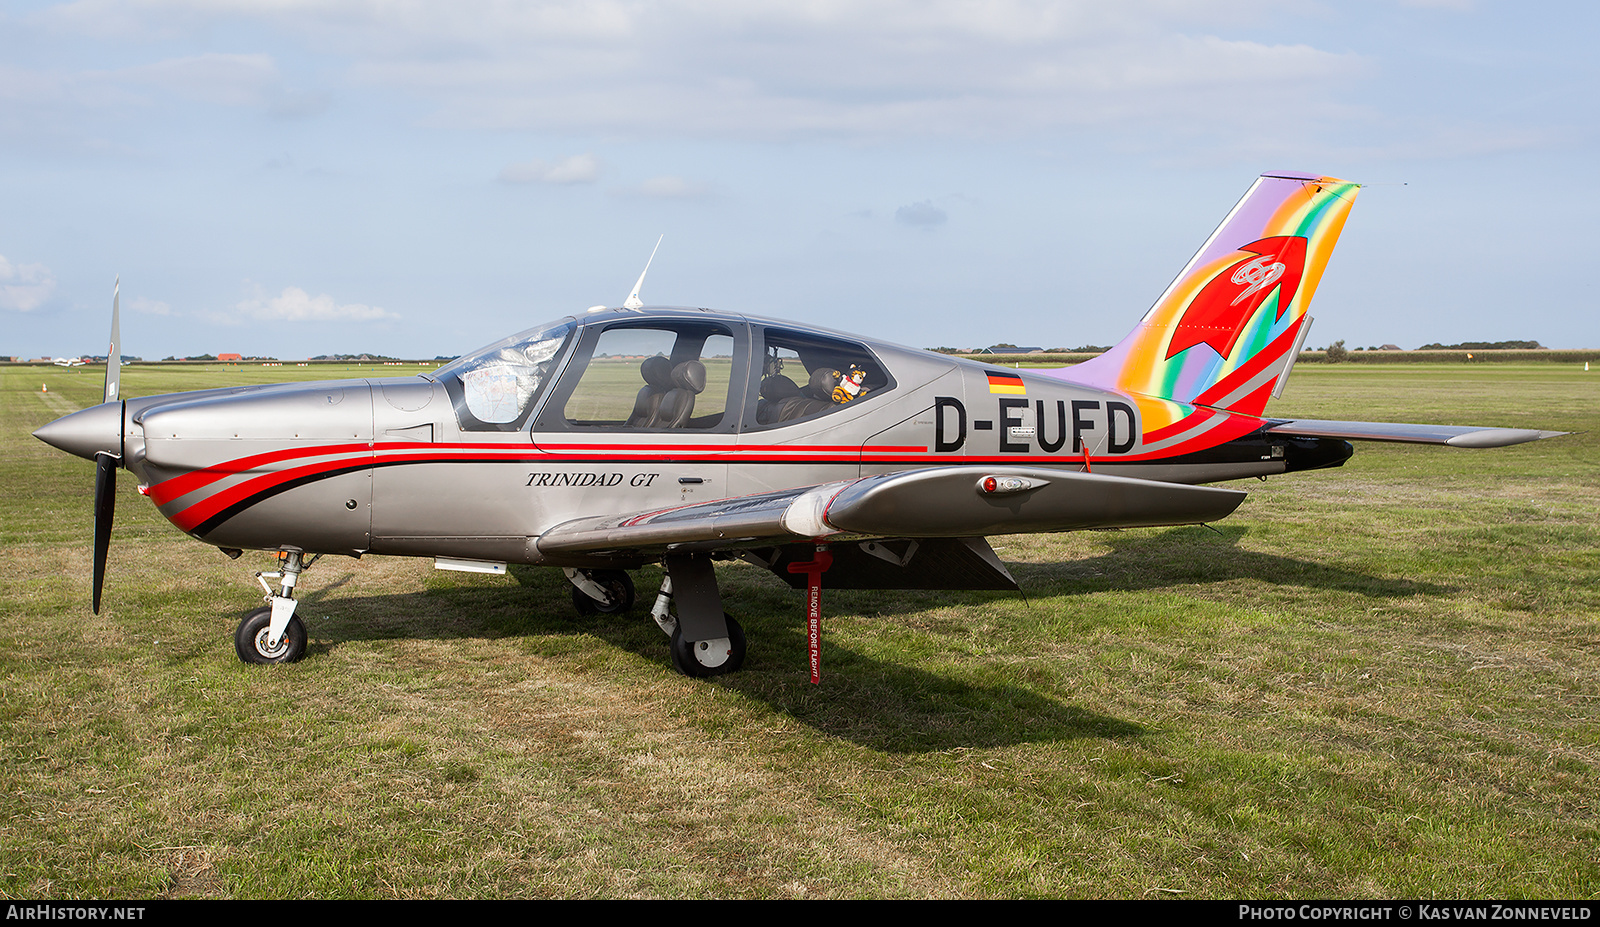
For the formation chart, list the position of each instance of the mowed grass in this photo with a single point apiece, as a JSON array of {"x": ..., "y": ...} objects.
[{"x": 1376, "y": 681}]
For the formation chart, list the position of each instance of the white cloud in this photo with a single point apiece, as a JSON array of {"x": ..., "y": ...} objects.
[
  {"x": 730, "y": 68},
  {"x": 296, "y": 305},
  {"x": 24, "y": 287},
  {"x": 670, "y": 187},
  {"x": 923, "y": 214},
  {"x": 147, "y": 306},
  {"x": 584, "y": 168},
  {"x": 229, "y": 80}
]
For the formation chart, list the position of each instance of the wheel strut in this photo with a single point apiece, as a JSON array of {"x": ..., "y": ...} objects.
[
  {"x": 704, "y": 640},
  {"x": 291, "y": 563}
]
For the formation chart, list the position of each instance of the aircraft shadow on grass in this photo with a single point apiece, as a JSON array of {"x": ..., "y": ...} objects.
[
  {"x": 876, "y": 703},
  {"x": 1202, "y": 555}
]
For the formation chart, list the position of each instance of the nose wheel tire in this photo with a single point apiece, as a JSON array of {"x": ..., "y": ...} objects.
[
  {"x": 250, "y": 641},
  {"x": 701, "y": 659},
  {"x": 617, "y": 583}
]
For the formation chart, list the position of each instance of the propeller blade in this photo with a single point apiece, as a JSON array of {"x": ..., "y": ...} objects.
[
  {"x": 114, "y": 353},
  {"x": 105, "y": 503},
  {"x": 105, "y": 462}
]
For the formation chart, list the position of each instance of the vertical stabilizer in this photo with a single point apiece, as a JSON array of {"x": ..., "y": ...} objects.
[{"x": 1227, "y": 329}]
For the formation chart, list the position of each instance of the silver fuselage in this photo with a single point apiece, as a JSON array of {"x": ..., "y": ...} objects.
[{"x": 404, "y": 466}]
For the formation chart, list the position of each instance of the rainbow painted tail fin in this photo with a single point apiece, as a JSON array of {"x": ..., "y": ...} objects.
[{"x": 1226, "y": 332}]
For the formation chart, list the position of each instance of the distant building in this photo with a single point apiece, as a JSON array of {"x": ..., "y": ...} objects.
[{"x": 229, "y": 357}]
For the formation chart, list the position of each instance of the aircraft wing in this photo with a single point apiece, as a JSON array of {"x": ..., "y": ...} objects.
[
  {"x": 1453, "y": 435},
  {"x": 937, "y": 502}
]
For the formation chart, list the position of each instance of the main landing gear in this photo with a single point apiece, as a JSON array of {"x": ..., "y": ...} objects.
[
  {"x": 600, "y": 592},
  {"x": 706, "y": 641},
  {"x": 700, "y": 659}
]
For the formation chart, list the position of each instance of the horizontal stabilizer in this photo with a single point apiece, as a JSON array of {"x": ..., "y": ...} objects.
[{"x": 1453, "y": 435}]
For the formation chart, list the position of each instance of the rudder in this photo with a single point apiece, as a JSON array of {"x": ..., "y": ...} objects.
[{"x": 1226, "y": 331}]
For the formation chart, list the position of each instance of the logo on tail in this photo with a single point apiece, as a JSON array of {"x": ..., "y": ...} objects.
[{"x": 1217, "y": 315}]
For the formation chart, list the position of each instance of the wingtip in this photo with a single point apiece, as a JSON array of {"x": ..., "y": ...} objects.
[{"x": 1501, "y": 437}]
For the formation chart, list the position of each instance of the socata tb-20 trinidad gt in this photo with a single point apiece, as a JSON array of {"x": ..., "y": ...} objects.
[{"x": 620, "y": 437}]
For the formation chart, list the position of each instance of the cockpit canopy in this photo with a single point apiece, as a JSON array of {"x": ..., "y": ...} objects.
[{"x": 660, "y": 371}]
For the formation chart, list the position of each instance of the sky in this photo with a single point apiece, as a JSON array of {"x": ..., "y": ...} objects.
[{"x": 415, "y": 178}]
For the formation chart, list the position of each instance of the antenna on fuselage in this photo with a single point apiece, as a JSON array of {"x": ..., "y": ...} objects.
[{"x": 633, "y": 301}]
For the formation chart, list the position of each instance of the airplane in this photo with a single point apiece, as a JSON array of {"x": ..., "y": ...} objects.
[
  {"x": 619, "y": 437},
  {"x": 69, "y": 362}
]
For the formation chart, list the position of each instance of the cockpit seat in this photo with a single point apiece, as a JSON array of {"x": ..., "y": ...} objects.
[
  {"x": 657, "y": 373},
  {"x": 816, "y": 396},
  {"x": 775, "y": 390},
  {"x": 688, "y": 381}
]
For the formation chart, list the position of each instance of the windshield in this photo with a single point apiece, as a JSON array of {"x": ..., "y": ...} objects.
[{"x": 494, "y": 388}]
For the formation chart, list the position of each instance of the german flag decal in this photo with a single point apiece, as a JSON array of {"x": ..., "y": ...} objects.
[{"x": 1006, "y": 383}]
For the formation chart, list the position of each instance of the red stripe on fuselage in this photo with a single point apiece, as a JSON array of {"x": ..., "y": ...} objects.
[
  {"x": 1235, "y": 426},
  {"x": 189, "y": 518},
  {"x": 167, "y": 490},
  {"x": 1269, "y": 355},
  {"x": 1187, "y": 423}
]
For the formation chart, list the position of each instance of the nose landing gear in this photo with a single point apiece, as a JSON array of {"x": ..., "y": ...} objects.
[
  {"x": 273, "y": 633},
  {"x": 253, "y": 640}
]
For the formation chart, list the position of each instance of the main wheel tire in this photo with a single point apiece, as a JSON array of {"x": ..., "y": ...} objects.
[
  {"x": 616, "y": 582},
  {"x": 701, "y": 659},
  {"x": 250, "y": 640}
]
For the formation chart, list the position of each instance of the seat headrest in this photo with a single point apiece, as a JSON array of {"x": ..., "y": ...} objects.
[
  {"x": 657, "y": 371},
  {"x": 777, "y": 387},
  {"x": 689, "y": 375},
  {"x": 822, "y": 382}
]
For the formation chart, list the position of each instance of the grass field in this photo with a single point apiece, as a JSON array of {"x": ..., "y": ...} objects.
[{"x": 1377, "y": 681}]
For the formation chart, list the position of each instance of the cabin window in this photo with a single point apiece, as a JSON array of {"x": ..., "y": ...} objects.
[
  {"x": 647, "y": 377},
  {"x": 804, "y": 376}
]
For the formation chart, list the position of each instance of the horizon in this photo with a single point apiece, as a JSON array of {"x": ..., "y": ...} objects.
[{"x": 370, "y": 357}]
